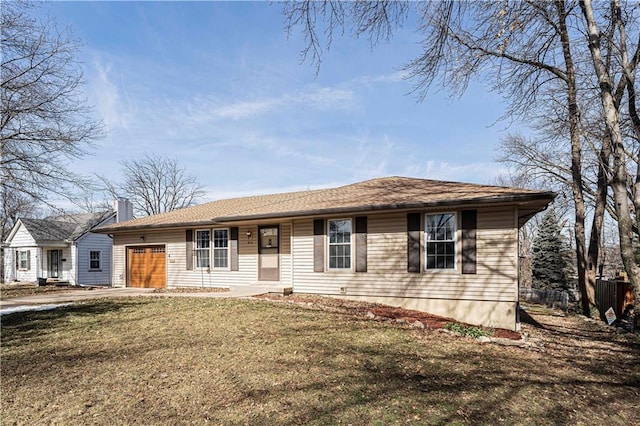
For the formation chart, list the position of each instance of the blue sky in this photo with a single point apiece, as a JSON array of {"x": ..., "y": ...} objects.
[{"x": 219, "y": 86}]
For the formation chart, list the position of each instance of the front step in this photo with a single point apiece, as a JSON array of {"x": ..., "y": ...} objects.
[{"x": 52, "y": 281}]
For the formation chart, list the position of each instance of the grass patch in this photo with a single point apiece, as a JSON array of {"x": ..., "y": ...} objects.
[{"x": 227, "y": 361}]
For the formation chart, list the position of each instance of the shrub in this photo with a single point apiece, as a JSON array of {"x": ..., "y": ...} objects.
[{"x": 465, "y": 330}]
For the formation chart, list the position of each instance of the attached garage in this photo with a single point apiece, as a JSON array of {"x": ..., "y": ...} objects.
[{"x": 147, "y": 266}]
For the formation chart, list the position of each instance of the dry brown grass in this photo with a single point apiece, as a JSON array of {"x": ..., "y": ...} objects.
[
  {"x": 223, "y": 361},
  {"x": 8, "y": 291}
]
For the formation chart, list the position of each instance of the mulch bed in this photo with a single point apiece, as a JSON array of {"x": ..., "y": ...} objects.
[{"x": 381, "y": 312}]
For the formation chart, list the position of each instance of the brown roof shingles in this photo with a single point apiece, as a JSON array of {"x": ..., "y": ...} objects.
[{"x": 375, "y": 194}]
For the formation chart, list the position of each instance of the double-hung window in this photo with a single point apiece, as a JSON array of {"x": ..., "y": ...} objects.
[
  {"x": 203, "y": 244},
  {"x": 340, "y": 244},
  {"x": 23, "y": 260},
  {"x": 440, "y": 233},
  {"x": 94, "y": 259},
  {"x": 220, "y": 248}
]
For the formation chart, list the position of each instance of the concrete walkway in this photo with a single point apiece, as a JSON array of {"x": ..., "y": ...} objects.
[{"x": 55, "y": 299}]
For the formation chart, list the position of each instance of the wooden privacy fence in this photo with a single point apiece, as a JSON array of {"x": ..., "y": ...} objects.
[{"x": 613, "y": 294}]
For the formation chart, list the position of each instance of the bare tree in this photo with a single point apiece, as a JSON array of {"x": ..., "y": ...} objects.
[
  {"x": 534, "y": 53},
  {"x": 611, "y": 108},
  {"x": 155, "y": 185},
  {"x": 44, "y": 119}
]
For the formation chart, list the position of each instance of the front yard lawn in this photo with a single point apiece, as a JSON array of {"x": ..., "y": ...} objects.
[
  {"x": 8, "y": 291},
  {"x": 224, "y": 361}
]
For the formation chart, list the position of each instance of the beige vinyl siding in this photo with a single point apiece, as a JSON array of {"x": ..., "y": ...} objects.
[
  {"x": 285, "y": 254},
  {"x": 387, "y": 275},
  {"x": 175, "y": 248}
]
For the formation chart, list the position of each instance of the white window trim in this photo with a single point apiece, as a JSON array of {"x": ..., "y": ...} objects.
[
  {"x": 351, "y": 248},
  {"x": 220, "y": 268},
  {"x": 99, "y": 268},
  {"x": 196, "y": 249},
  {"x": 455, "y": 242},
  {"x": 26, "y": 260}
]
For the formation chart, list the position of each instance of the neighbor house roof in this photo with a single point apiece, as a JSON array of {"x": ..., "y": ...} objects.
[
  {"x": 64, "y": 227},
  {"x": 388, "y": 193}
]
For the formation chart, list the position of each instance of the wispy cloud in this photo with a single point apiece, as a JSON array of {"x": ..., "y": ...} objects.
[
  {"x": 106, "y": 96},
  {"x": 322, "y": 97},
  {"x": 484, "y": 173},
  {"x": 394, "y": 77}
]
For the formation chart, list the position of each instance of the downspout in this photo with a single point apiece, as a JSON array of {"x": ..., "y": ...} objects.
[
  {"x": 76, "y": 269},
  {"x": 112, "y": 272},
  {"x": 39, "y": 267},
  {"x": 518, "y": 277},
  {"x": 291, "y": 255}
]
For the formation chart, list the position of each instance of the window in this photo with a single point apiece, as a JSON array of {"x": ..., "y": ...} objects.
[
  {"x": 23, "y": 260},
  {"x": 340, "y": 244},
  {"x": 220, "y": 248},
  {"x": 94, "y": 260},
  {"x": 440, "y": 238},
  {"x": 203, "y": 244}
]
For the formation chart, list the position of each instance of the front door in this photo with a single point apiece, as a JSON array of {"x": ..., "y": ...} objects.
[
  {"x": 55, "y": 263},
  {"x": 269, "y": 253}
]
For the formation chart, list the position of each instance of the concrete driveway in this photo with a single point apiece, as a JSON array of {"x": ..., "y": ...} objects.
[{"x": 53, "y": 300}]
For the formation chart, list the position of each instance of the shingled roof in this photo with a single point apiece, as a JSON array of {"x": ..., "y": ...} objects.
[
  {"x": 389, "y": 193},
  {"x": 63, "y": 228}
]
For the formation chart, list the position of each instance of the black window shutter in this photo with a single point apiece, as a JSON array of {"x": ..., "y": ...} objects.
[
  {"x": 361, "y": 244},
  {"x": 17, "y": 260},
  {"x": 469, "y": 226},
  {"x": 413, "y": 242},
  {"x": 189, "y": 253},
  {"x": 318, "y": 245},
  {"x": 233, "y": 248},
  {"x": 28, "y": 260}
]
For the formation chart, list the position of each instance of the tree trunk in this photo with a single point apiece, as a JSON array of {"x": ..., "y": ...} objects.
[
  {"x": 593, "y": 252},
  {"x": 619, "y": 178},
  {"x": 587, "y": 293}
]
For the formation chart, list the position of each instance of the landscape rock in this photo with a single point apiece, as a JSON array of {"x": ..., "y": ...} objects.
[{"x": 417, "y": 324}]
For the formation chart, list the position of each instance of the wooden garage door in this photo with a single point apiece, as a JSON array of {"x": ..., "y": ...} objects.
[{"x": 147, "y": 267}]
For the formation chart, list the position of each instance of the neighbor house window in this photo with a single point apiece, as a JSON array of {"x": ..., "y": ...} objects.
[
  {"x": 340, "y": 244},
  {"x": 23, "y": 262},
  {"x": 203, "y": 244},
  {"x": 220, "y": 248},
  {"x": 94, "y": 259},
  {"x": 440, "y": 233}
]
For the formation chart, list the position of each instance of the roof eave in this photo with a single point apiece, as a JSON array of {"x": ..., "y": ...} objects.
[
  {"x": 528, "y": 198},
  {"x": 110, "y": 230},
  {"x": 542, "y": 198}
]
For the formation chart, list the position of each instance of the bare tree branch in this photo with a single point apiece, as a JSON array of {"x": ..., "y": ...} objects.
[{"x": 154, "y": 185}]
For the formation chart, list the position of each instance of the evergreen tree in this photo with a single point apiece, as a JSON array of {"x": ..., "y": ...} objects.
[{"x": 551, "y": 260}]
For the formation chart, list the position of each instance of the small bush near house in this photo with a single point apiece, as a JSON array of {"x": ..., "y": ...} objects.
[{"x": 466, "y": 330}]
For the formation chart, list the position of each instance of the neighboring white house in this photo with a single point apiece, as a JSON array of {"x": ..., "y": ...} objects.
[{"x": 63, "y": 248}]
